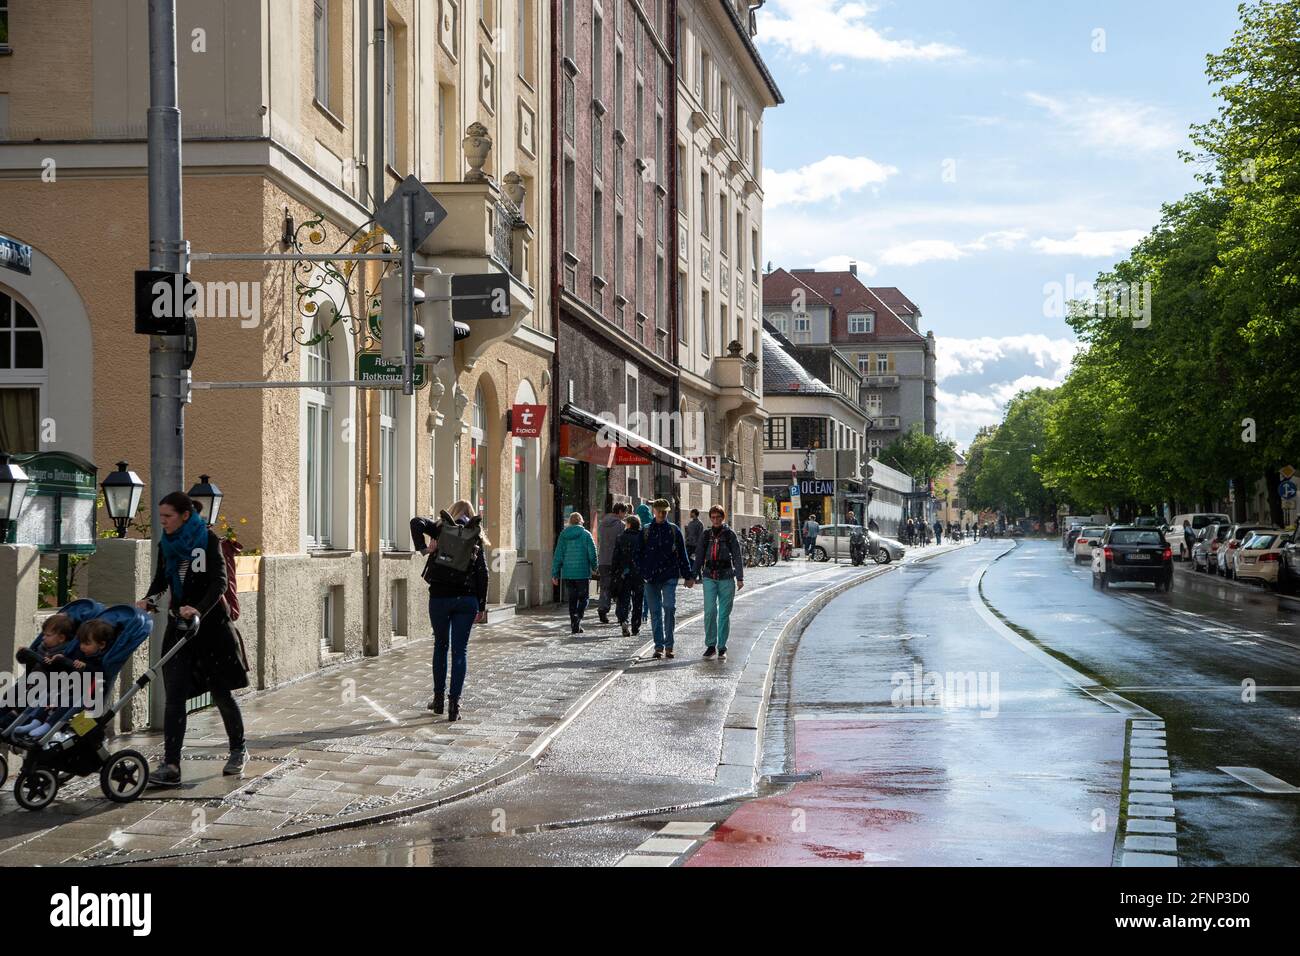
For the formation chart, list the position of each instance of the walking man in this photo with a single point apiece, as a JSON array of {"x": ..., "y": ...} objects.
[
  {"x": 694, "y": 531},
  {"x": 938, "y": 531},
  {"x": 574, "y": 561},
  {"x": 663, "y": 564},
  {"x": 1189, "y": 537},
  {"x": 810, "y": 531},
  {"x": 611, "y": 526},
  {"x": 721, "y": 566}
]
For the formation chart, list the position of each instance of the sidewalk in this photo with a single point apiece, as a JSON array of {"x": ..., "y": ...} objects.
[{"x": 352, "y": 744}]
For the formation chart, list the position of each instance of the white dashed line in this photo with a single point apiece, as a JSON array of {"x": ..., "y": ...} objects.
[
  {"x": 1261, "y": 781},
  {"x": 673, "y": 842},
  {"x": 1150, "y": 830}
]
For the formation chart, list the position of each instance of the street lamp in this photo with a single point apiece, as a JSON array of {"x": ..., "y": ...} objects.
[
  {"x": 122, "y": 492},
  {"x": 208, "y": 497},
  {"x": 13, "y": 489}
]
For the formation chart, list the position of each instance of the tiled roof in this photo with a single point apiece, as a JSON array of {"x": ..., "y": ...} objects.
[
  {"x": 895, "y": 299},
  {"x": 781, "y": 373},
  {"x": 853, "y": 297},
  {"x": 779, "y": 286}
]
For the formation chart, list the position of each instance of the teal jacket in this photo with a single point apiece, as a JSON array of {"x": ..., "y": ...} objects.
[
  {"x": 575, "y": 554},
  {"x": 645, "y": 514}
]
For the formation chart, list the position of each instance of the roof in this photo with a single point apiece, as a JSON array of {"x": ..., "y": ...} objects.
[
  {"x": 782, "y": 373},
  {"x": 895, "y": 299},
  {"x": 854, "y": 297},
  {"x": 742, "y": 31}
]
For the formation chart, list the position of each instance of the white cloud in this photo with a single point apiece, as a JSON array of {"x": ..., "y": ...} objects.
[
  {"x": 956, "y": 356},
  {"x": 1096, "y": 245},
  {"x": 825, "y": 179},
  {"x": 841, "y": 264},
  {"x": 1111, "y": 125},
  {"x": 832, "y": 28},
  {"x": 921, "y": 250},
  {"x": 1003, "y": 239}
]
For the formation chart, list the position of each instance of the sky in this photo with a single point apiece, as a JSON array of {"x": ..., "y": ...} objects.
[{"x": 975, "y": 153}]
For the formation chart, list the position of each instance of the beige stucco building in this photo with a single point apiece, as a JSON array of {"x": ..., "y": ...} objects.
[
  {"x": 723, "y": 87},
  {"x": 277, "y": 99}
]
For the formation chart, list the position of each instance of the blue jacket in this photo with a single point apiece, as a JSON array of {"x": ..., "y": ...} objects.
[
  {"x": 664, "y": 556},
  {"x": 575, "y": 554}
]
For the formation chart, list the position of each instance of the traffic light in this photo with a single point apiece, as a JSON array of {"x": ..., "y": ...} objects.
[
  {"x": 393, "y": 339},
  {"x": 434, "y": 326},
  {"x": 440, "y": 331}
]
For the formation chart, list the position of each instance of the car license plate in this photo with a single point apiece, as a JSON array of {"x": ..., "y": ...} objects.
[{"x": 1139, "y": 557}]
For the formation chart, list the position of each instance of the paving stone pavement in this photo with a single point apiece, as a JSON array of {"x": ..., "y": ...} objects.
[{"x": 346, "y": 743}]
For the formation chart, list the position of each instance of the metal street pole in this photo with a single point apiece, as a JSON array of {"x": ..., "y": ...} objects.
[{"x": 167, "y": 252}]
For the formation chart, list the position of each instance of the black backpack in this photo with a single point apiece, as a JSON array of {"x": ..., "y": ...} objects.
[{"x": 459, "y": 547}]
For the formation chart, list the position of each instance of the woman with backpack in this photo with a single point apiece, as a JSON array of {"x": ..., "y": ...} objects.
[
  {"x": 575, "y": 562},
  {"x": 628, "y": 585},
  {"x": 457, "y": 576}
]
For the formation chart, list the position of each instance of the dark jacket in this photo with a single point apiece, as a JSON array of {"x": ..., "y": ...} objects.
[
  {"x": 625, "y": 567},
  {"x": 694, "y": 529},
  {"x": 664, "y": 557},
  {"x": 718, "y": 555},
  {"x": 213, "y": 654},
  {"x": 475, "y": 584}
]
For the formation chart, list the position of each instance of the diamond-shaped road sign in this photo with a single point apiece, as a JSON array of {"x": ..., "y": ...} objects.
[{"x": 427, "y": 214}]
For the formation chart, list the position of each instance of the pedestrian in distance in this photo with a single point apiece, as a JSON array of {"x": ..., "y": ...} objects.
[
  {"x": 810, "y": 531},
  {"x": 646, "y": 517},
  {"x": 938, "y": 532},
  {"x": 575, "y": 562},
  {"x": 1189, "y": 537},
  {"x": 611, "y": 527},
  {"x": 694, "y": 530},
  {"x": 191, "y": 567},
  {"x": 663, "y": 563},
  {"x": 720, "y": 565},
  {"x": 629, "y": 586},
  {"x": 456, "y": 572}
]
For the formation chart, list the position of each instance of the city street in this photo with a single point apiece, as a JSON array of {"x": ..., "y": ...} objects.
[{"x": 860, "y": 768}]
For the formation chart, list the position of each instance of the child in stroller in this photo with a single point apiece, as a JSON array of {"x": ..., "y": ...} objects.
[
  {"x": 55, "y": 757},
  {"x": 93, "y": 638}
]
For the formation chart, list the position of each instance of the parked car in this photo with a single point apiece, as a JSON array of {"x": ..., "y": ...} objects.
[
  {"x": 1288, "y": 571},
  {"x": 833, "y": 543},
  {"x": 1071, "y": 523},
  {"x": 1236, "y": 534},
  {"x": 1208, "y": 541},
  {"x": 1088, "y": 539},
  {"x": 1130, "y": 553},
  {"x": 1259, "y": 556},
  {"x": 1198, "y": 520},
  {"x": 1148, "y": 521}
]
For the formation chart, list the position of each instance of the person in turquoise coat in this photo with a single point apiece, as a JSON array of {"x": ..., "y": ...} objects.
[{"x": 575, "y": 563}]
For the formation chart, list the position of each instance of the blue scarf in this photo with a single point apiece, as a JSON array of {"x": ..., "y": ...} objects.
[{"x": 180, "y": 546}]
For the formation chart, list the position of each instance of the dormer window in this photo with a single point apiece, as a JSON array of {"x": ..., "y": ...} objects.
[{"x": 861, "y": 323}]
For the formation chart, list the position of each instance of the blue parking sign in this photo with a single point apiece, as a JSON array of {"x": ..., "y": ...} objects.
[{"x": 1286, "y": 490}]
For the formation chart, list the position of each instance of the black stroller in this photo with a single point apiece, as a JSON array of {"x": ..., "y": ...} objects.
[{"x": 59, "y": 756}]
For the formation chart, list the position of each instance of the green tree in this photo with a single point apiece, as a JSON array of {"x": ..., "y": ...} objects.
[{"x": 922, "y": 456}]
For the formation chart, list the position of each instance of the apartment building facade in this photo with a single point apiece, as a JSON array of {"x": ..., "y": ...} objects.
[
  {"x": 277, "y": 112},
  {"x": 723, "y": 89},
  {"x": 896, "y": 360}
]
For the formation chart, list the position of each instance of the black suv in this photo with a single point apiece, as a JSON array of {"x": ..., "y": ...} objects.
[{"x": 1130, "y": 553}]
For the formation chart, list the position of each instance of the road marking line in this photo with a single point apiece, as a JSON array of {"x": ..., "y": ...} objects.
[
  {"x": 665, "y": 845},
  {"x": 1151, "y": 826},
  {"x": 686, "y": 829},
  {"x": 1261, "y": 781},
  {"x": 1149, "y": 859},
  {"x": 636, "y": 859},
  {"x": 380, "y": 711},
  {"x": 1149, "y": 810},
  {"x": 1157, "y": 843}
]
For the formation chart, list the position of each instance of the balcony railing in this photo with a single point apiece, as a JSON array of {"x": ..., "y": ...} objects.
[
  {"x": 735, "y": 372},
  {"x": 880, "y": 381},
  {"x": 481, "y": 222}
]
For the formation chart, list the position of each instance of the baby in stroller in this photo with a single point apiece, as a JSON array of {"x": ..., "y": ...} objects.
[{"x": 87, "y": 656}]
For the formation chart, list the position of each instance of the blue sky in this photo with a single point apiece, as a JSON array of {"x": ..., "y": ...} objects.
[{"x": 970, "y": 153}]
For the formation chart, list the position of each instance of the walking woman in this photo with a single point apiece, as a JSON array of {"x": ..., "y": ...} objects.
[
  {"x": 628, "y": 585},
  {"x": 457, "y": 595},
  {"x": 575, "y": 561},
  {"x": 191, "y": 566},
  {"x": 720, "y": 565}
]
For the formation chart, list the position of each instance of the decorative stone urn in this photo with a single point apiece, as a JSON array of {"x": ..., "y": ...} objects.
[
  {"x": 477, "y": 144},
  {"x": 513, "y": 185},
  {"x": 734, "y": 349}
]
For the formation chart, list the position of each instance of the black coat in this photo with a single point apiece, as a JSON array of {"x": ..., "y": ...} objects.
[
  {"x": 212, "y": 654},
  {"x": 626, "y": 569}
]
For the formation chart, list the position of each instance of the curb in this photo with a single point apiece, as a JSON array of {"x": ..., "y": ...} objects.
[{"x": 510, "y": 769}]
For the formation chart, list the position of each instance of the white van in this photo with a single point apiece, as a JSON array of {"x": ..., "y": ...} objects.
[{"x": 1199, "y": 520}]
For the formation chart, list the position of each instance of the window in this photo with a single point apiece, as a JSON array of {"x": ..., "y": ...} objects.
[
  {"x": 884, "y": 363},
  {"x": 597, "y": 57},
  {"x": 862, "y": 322},
  {"x": 781, "y": 323},
  {"x": 660, "y": 147},
  {"x": 433, "y": 456},
  {"x": 864, "y": 363},
  {"x": 570, "y": 32},
  {"x": 390, "y": 97},
  {"x": 681, "y": 47},
  {"x": 485, "y": 12},
  {"x": 618, "y": 169},
  {"x": 597, "y": 143},
  {"x": 753, "y": 255},
  {"x": 597, "y": 234},
  {"x": 706, "y": 318},
  {"x": 22, "y": 376},
  {"x": 704, "y": 204},
  {"x": 570, "y": 207},
  {"x": 570, "y": 111},
  {"x": 807, "y": 433},
  {"x": 722, "y": 223},
  {"x": 681, "y": 173},
  {"x": 639, "y": 274},
  {"x": 874, "y": 404},
  {"x": 320, "y": 42},
  {"x": 478, "y": 457},
  {"x": 661, "y": 309},
  {"x": 618, "y": 85},
  {"x": 618, "y": 255},
  {"x": 388, "y": 468},
  {"x": 724, "y": 99},
  {"x": 318, "y": 493},
  {"x": 740, "y": 248},
  {"x": 704, "y": 82},
  {"x": 524, "y": 39},
  {"x": 446, "y": 119},
  {"x": 722, "y": 329},
  {"x": 802, "y": 323}
]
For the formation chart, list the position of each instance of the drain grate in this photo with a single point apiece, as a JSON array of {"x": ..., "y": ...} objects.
[{"x": 803, "y": 777}]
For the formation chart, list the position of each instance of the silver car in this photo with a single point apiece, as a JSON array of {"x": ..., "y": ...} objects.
[{"x": 833, "y": 543}]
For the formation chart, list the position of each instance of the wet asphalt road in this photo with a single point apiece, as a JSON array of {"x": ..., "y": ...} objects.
[
  {"x": 1186, "y": 656},
  {"x": 904, "y": 782}
]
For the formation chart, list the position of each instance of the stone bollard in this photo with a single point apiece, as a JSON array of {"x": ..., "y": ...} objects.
[
  {"x": 119, "y": 573},
  {"x": 19, "y": 596}
]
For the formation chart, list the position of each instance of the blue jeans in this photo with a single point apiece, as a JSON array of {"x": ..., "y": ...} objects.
[
  {"x": 718, "y": 597},
  {"x": 452, "y": 618},
  {"x": 661, "y": 596}
]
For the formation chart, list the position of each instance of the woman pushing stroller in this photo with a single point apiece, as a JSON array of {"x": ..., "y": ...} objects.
[{"x": 191, "y": 566}]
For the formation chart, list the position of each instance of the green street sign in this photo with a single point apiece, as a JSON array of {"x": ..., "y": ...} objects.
[
  {"x": 376, "y": 325},
  {"x": 371, "y": 367},
  {"x": 58, "y": 514}
]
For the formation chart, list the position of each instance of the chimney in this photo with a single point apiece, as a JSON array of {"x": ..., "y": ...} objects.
[{"x": 853, "y": 268}]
